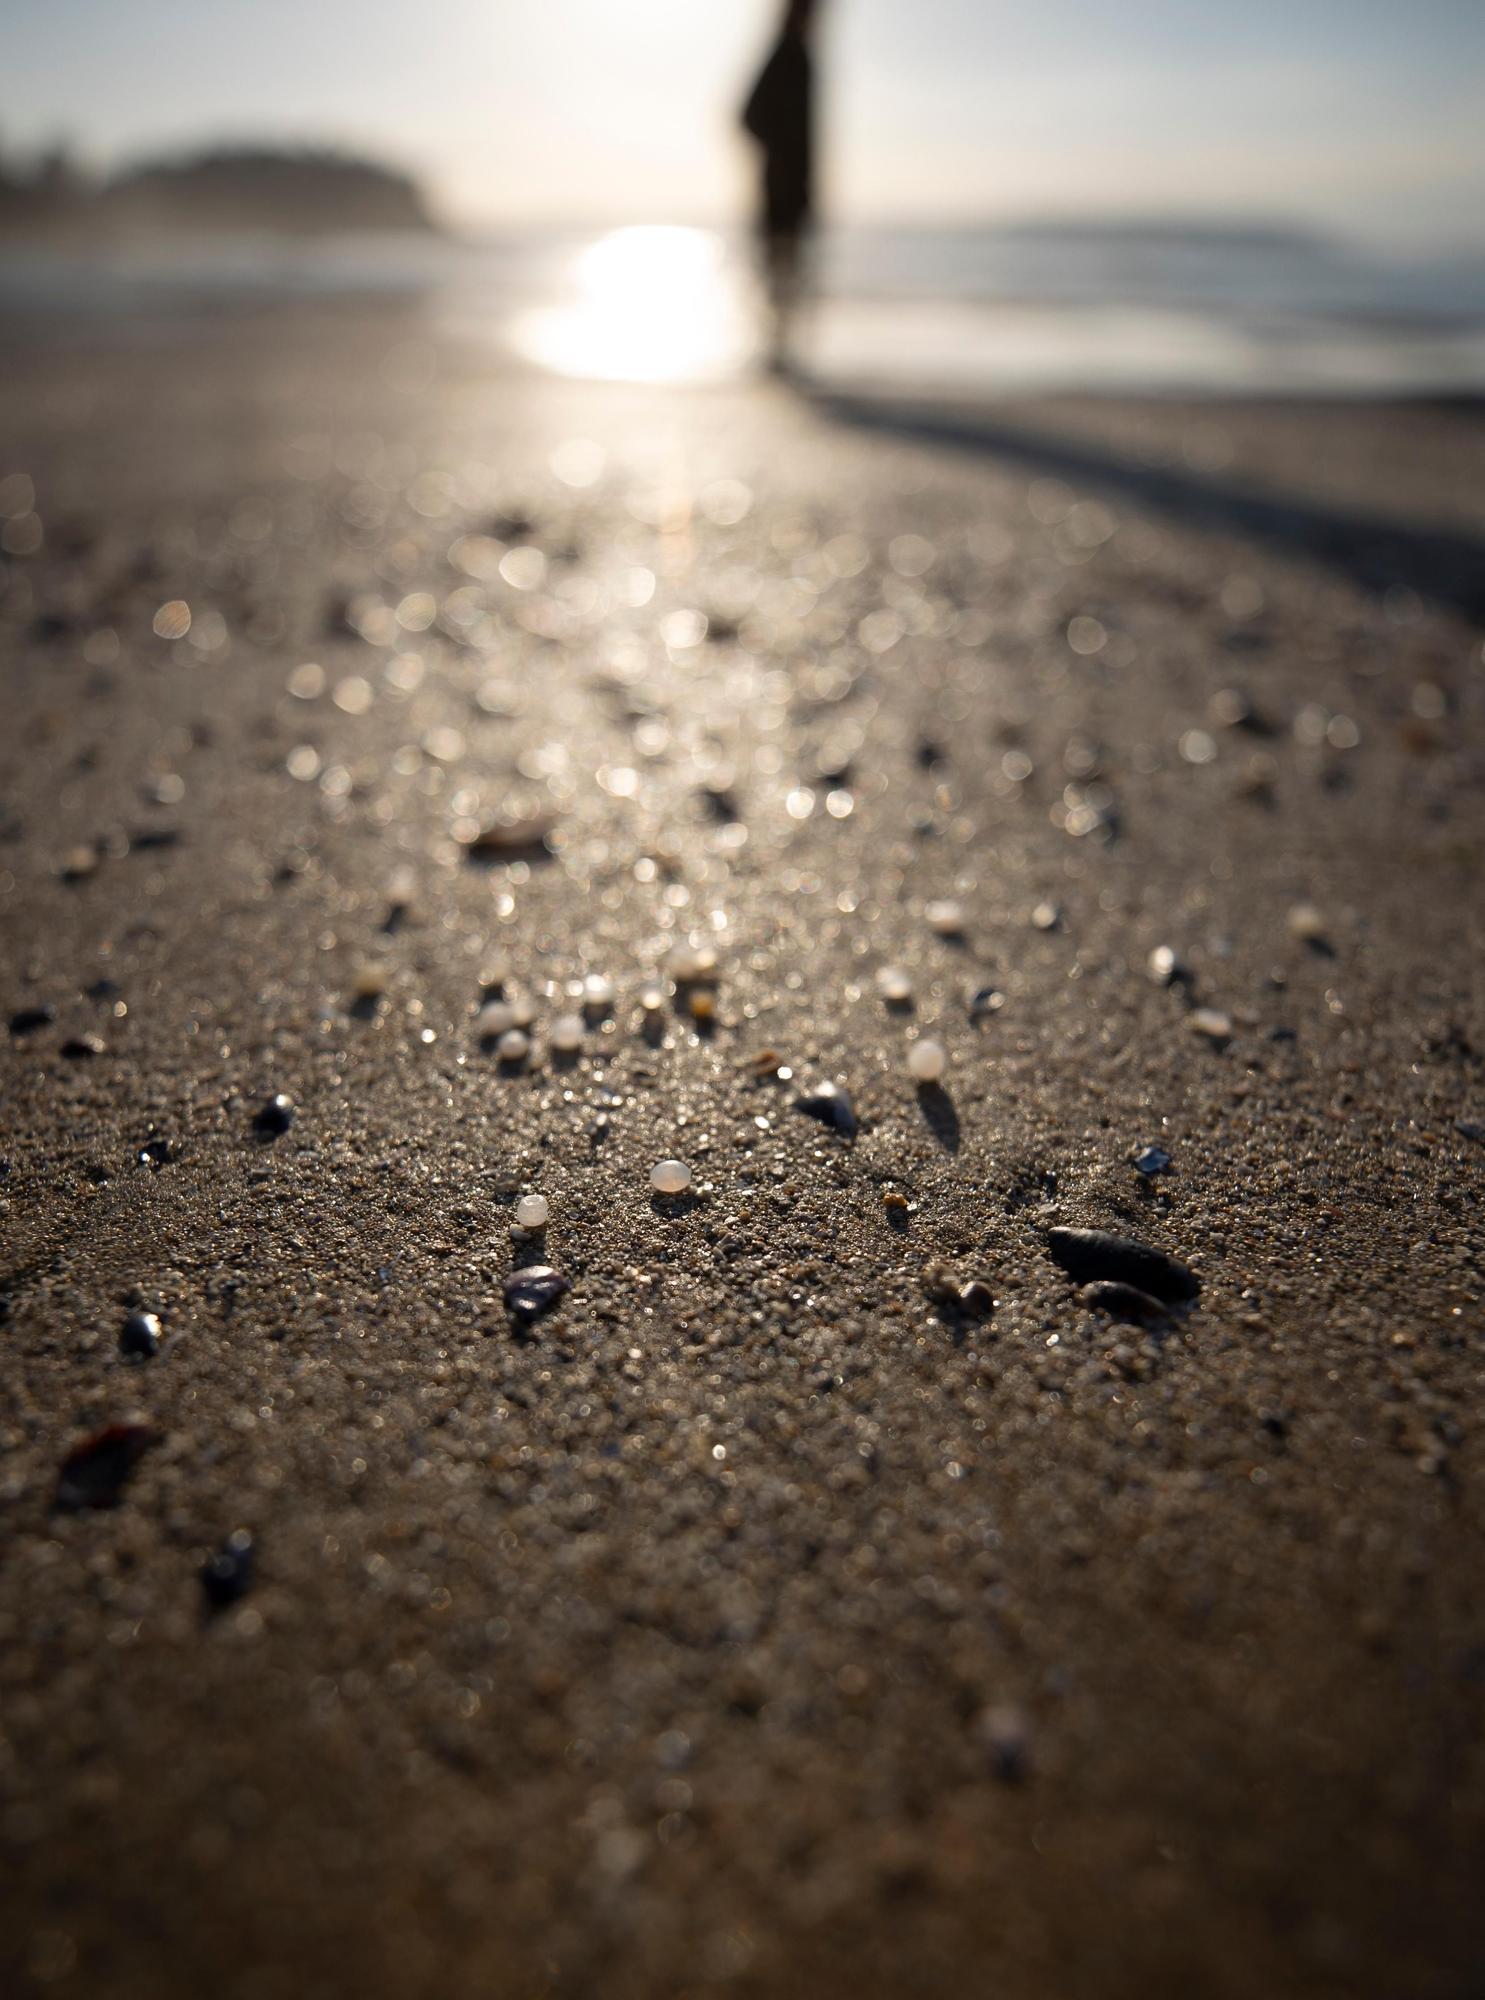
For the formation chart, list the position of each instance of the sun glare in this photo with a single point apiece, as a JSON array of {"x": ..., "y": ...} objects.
[{"x": 650, "y": 304}]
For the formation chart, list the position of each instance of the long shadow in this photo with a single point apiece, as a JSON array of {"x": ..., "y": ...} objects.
[{"x": 1373, "y": 551}]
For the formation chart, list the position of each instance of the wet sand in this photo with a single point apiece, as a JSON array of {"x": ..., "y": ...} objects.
[{"x": 762, "y": 1620}]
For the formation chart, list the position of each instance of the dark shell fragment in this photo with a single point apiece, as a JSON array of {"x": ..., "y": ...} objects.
[
  {"x": 1091, "y": 1254},
  {"x": 831, "y": 1104},
  {"x": 1123, "y": 1302},
  {"x": 95, "y": 1472},
  {"x": 533, "y": 1290}
]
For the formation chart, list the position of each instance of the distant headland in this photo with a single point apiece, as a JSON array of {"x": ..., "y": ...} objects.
[{"x": 305, "y": 191}]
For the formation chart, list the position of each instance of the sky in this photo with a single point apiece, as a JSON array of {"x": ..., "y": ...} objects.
[{"x": 1354, "y": 114}]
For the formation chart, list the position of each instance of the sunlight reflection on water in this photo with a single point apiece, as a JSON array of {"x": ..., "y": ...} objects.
[{"x": 651, "y": 303}]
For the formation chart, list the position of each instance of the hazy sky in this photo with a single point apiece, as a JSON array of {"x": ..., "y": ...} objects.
[{"x": 1365, "y": 113}]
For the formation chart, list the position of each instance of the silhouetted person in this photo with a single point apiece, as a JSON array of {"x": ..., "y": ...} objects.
[{"x": 780, "y": 116}]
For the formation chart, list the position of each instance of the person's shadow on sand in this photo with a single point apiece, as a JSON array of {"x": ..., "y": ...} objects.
[{"x": 1374, "y": 551}]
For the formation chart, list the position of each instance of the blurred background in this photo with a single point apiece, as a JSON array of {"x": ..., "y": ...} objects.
[{"x": 1231, "y": 197}]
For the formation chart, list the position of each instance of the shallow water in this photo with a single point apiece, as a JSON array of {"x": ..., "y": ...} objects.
[{"x": 978, "y": 311}]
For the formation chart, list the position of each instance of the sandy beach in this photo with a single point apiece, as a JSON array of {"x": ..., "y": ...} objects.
[{"x": 822, "y": 1596}]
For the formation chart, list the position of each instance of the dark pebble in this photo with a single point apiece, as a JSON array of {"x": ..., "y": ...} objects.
[
  {"x": 228, "y": 1574},
  {"x": 1120, "y": 1301},
  {"x": 1091, "y": 1254},
  {"x": 84, "y": 1045},
  {"x": 1151, "y": 1160},
  {"x": 533, "y": 1290},
  {"x": 832, "y": 1106},
  {"x": 1007, "y": 1736},
  {"x": 26, "y": 1020},
  {"x": 155, "y": 1153},
  {"x": 514, "y": 840},
  {"x": 721, "y": 804},
  {"x": 94, "y": 1473},
  {"x": 140, "y": 1336},
  {"x": 275, "y": 1117}
]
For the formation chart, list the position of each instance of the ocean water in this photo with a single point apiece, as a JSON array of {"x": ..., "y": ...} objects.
[{"x": 973, "y": 311}]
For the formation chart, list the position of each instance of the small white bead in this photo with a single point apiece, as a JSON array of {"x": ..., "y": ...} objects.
[
  {"x": 512, "y": 1045},
  {"x": 927, "y": 1061},
  {"x": 893, "y": 983},
  {"x": 947, "y": 918},
  {"x": 566, "y": 1032},
  {"x": 598, "y": 991},
  {"x": 532, "y": 1211},
  {"x": 671, "y": 1177}
]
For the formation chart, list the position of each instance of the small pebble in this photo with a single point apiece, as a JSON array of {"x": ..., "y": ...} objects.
[
  {"x": 228, "y": 1574},
  {"x": 533, "y": 1290},
  {"x": 532, "y": 1211},
  {"x": 652, "y": 996},
  {"x": 1165, "y": 968},
  {"x": 274, "y": 1116},
  {"x": 566, "y": 1033},
  {"x": 977, "y": 1297},
  {"x": 514, "y": 1045},
  {"x": 370, "y": 982},
  {"x": 78, "y": 863},
  {"x": 155, "y": 1153},
  {"x": 598, "y": 993},
  {"x": 701, "y": 1004},
  {"x": 84, "y": 1045},
  {"x": 686, "y": 963},
  {"x": 927, "y": 1061},
  {"x": 1211, "y": 1023},
  {"x": 1046, "y": 917},
  {"x": 140, "y": 1336},
  {"x": 894, "y": 985},
  {"x": 670, "y": 1177},
  {"x": 1151, "y": 1160},
  {"x": 940, "y": 1284},
  {"x": 1306, "y": 924},
  {"x": 1006, "y": 1734},
  {"x": 986, "y": 1000},
  {"x": 946, "y": 917},
  {"x": 495, "y": 1018}
]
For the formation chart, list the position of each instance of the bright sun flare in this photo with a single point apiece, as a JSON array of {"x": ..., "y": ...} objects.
[{"x": 651, "y": 304}]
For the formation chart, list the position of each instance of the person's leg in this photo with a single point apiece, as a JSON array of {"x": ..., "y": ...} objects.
[{"x": 783, "y": 265}]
